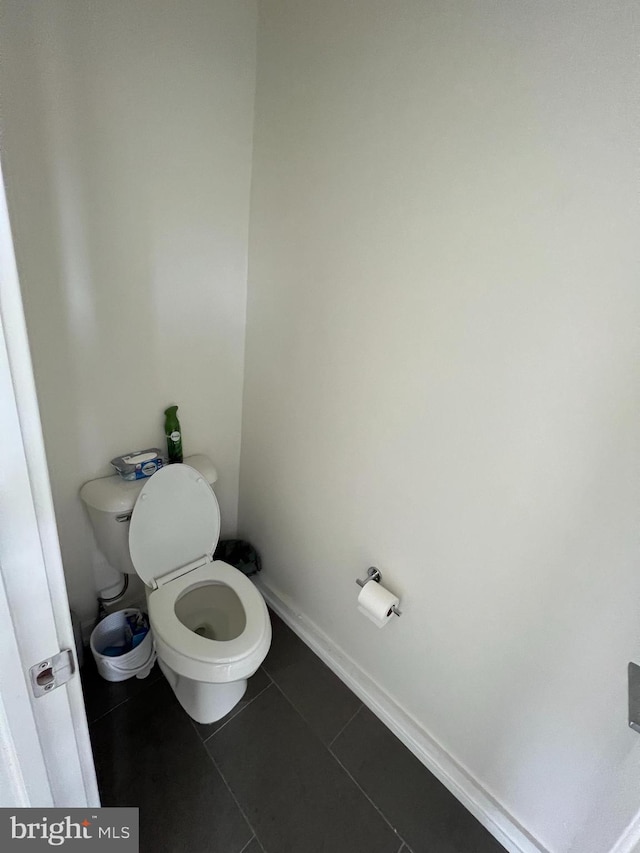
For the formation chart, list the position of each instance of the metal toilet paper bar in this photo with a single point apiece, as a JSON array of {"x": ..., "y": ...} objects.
[{"x": 375, "y": 575}]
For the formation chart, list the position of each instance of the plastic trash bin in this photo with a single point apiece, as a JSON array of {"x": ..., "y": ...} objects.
[{"x": 111, "y": 631}]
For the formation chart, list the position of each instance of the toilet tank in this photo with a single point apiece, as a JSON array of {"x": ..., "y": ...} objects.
[{"x": 110, "y": 502}]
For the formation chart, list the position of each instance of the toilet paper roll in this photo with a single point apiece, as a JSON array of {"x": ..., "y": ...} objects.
[{"x": 376, "y": 602}]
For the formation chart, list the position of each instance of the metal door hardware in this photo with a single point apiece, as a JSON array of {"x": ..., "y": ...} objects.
[{"x": 52, "y": 672}]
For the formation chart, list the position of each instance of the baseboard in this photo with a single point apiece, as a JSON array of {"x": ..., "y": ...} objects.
[
  {"x": 491, "y": 814},
  {"x": 629, "y": 841}
]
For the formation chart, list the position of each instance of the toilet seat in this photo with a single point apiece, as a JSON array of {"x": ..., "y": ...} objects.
[{"x": 198, "y": 657}]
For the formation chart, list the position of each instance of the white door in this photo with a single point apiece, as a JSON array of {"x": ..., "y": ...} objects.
[{"x": 45, "y": 753}]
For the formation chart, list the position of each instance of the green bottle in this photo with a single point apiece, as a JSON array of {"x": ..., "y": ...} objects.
[{"x": 174, "y": 436}]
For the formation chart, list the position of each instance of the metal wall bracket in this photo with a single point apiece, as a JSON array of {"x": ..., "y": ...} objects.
[
  {"x": 634, "y": 697},
  {"x": 52, "y": 672},
  {"x": 373, "y": 574}
]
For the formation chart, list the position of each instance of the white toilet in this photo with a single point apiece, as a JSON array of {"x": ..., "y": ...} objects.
[{"x": 210, "y": 624}]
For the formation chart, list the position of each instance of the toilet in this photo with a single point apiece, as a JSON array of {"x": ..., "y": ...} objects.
[{"x": 210, "y": 623}]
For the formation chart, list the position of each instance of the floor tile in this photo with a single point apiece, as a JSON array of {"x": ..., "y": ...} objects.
[
  {"x": 319, "y": 695},
  {"x": 294, "y": 794},
  {"x": 421, "y": 809},
  {"x": 148, "y": 755},
  {"x": 101, "y": 696},
  {"x": 255, "y": 686}
]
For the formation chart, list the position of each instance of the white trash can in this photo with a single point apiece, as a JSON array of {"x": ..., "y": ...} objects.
[{"x": 111, "y": 631}]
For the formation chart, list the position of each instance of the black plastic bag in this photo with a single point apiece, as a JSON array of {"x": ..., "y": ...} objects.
[{"x": 240, "y": 554}]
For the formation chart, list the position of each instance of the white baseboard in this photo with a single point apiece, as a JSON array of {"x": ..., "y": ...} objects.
[
  {"x": 629, "y": 841},
  {"x": 468, "y": 790}
]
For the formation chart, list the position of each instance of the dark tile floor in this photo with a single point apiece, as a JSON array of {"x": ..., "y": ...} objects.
[{"x": 299, "y": 766}]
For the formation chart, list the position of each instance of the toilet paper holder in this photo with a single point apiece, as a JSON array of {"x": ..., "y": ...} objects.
[{"x": 375, "y": 575}]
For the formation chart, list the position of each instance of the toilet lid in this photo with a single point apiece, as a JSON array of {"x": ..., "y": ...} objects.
[{"x": 175, "y": 521}]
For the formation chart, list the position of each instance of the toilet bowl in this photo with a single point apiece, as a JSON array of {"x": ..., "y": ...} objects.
[
  {"x": 210, "y": 624},
  {"x": 212, "y": 631}
]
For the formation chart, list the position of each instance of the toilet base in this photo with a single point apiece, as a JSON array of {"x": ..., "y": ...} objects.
[{"x": 204, "y": 702}]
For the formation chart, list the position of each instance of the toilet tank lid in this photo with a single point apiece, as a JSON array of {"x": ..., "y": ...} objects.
[{"x": 113, "y": 494}]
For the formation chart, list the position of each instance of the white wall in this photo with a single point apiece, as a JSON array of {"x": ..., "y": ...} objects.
[
  {"x": 442, "y": 374},
  {"x": 442, "y": 334},
  {"x": 126, "y": 141}
]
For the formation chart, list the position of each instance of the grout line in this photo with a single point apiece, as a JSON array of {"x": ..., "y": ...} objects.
[
  {"x": 348, "y": 723},
  {"x": 364, "y": 794},
  {"x": 268, "y": 673},
  {"x": 337, "y": 760},
  {"x": 402, "y": 847},
  {"x": 235, "y": 799},
  {"x": 237, "y": 714},
  {"x": 250, "y": 841},
  {"x": 195, "y": 727},
  {"x": 299, "y": 713},
  {"x": 120, "y": 704},
  {"x": 290, "y": 701},
  {"x": 257, "y": 840},
  {"x": 106, "y": 713}
]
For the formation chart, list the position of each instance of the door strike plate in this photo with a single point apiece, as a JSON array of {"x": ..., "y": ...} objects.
[{"x": 52, "y": 672}]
